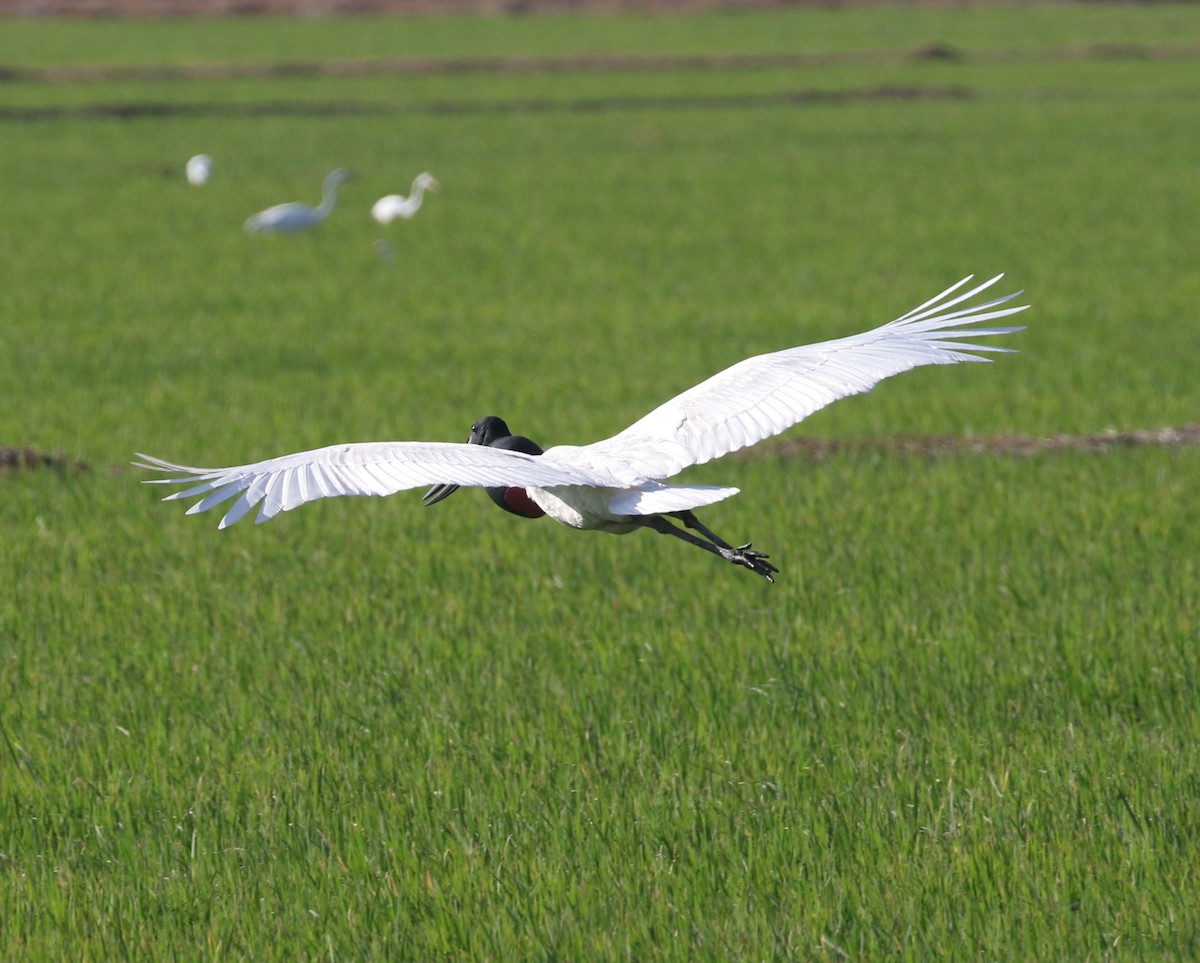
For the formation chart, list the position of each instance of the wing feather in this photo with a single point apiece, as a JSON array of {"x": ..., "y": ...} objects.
[
  {"x": 239, "y": 510},
  {"x": 765, "y": 395},
  {"x": 376, "y": 468}
]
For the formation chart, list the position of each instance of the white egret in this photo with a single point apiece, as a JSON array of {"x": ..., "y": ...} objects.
[
  {"x": 392, "y": 206},
  {"x": 297, "y": 216},
  {"x": 199, "y": 169},
  {"x": 619, "y": 484}
]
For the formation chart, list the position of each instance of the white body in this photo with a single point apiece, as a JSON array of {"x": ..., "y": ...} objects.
[
  {"x": 296, "y": 216},
  {"x": 606, "y": 485},
  {"x": 609, "y": 509},
  {"x": 393, "y": 206},
  {"x": 199, "y": 169}
]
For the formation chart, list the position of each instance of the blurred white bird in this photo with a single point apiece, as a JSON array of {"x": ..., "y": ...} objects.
[
  {"x": 392, "y": 206},
  {"x": 199, "y": 169},
  {"x": 297, "y": 216},
  {"x": 617, "y": 485}
]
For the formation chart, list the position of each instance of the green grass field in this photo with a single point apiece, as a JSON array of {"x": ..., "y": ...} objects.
[{"x": 962, "y": 725}]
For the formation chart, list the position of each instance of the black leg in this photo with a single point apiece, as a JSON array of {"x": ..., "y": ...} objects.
[
  {"x": 741, "y": 555},
  {"x": 691, "y": 521}
]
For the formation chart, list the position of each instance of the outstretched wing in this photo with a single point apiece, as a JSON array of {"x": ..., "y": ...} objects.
[
  {"x": 767, "y": 394},
  {"x": 374, "y": 468}
]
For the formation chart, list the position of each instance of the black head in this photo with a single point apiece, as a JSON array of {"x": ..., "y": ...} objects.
[
  {"x": 494, "y": 433},
  {"x": 488, "y": 430}
]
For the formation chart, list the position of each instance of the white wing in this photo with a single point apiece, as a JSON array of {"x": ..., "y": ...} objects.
[
  {"x": 374, "y": 468},
  {"x": 767, "y": 394},
  {"x": 742, "y": 405}
]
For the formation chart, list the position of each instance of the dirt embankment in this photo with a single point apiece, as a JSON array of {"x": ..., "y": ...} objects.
[{"x": 398, "y": 8}]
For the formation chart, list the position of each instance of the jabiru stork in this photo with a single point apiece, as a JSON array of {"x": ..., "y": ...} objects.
[{"x": 618, "y": 485}]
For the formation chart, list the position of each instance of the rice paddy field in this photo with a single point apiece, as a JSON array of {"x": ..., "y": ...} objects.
[{"x": 963, "y": 723}]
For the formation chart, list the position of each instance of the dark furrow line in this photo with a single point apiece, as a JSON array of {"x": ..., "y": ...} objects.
[
  {"x": 594, "y": 62},
  {"x": 134, "y": 111}
]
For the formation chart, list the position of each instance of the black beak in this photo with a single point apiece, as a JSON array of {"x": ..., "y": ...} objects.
[
  {"x": 437, "y": 493},
  {"x": 485, "y": 431}
]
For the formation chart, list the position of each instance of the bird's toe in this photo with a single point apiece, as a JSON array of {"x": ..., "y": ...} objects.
[{"x": 745, "y": 556}]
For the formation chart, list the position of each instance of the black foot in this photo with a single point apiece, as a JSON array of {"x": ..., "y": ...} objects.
[{"x": 755, "y": 561}]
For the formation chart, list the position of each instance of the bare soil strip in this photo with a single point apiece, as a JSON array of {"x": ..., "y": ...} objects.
[
  {"x": 131, "y": 111},
  {"x": 1021, "y": 446},
  {"x": 209, "y": 9},
  {"x": 27, "y": 458}
]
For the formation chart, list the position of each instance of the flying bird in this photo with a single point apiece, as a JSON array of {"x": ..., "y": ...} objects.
[
  {"x": 199, "y": 169},
  {"x": 618, "y": 485},
  {"x": 297, "y": 216},
  {"x": 392, "y": 206}
]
